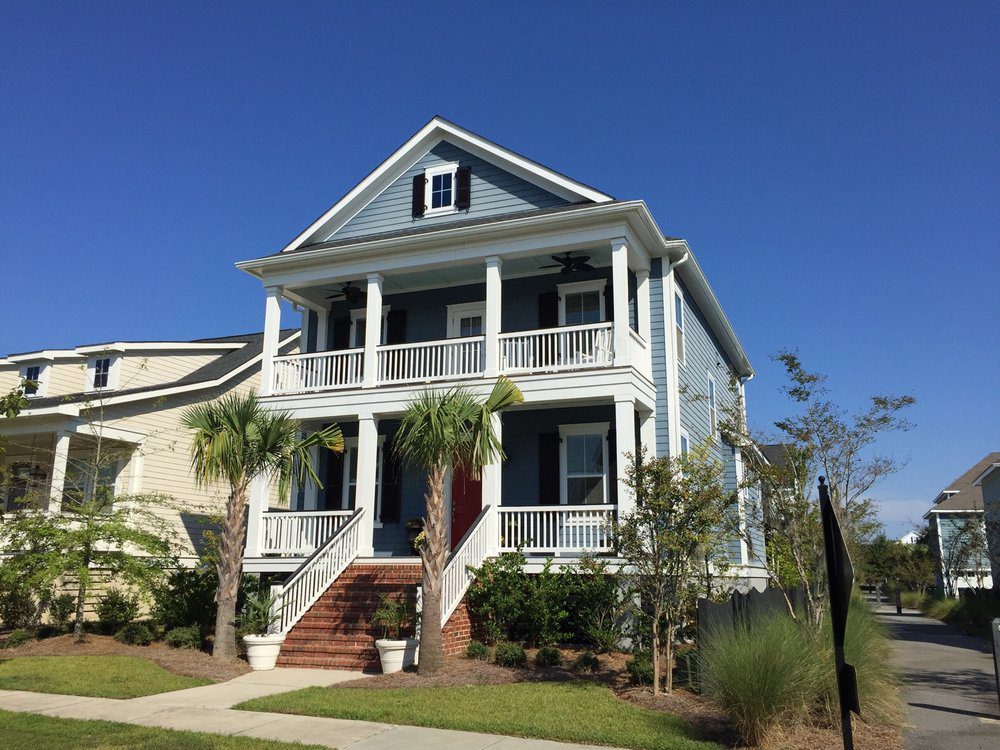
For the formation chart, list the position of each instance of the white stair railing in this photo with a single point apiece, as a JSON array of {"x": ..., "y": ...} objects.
[
  {"x": 556, "y": 528},
  {"x": 317, "y": 573},
  {"x": 478, "y": 543},
  {"x": 298, "y": 532}
]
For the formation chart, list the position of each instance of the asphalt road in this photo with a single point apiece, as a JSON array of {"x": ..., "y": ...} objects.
[{"x": 949, "y": 685}]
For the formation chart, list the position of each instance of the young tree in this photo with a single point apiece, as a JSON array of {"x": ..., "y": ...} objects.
[
  {"x": 444, "y": 430},
  {"x": 11, "y": 404},
  {"x": 679, "y": 503},
  {"x": 819, "y": 439},
  {"x": 235, "y": 441}
]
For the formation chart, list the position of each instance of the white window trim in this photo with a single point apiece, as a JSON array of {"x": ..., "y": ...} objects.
[
  {"x": 712, "y": 395},
  {"x": 680, "y": 344},
  {"x": 591, "y": 428},
  {"x": 464, "y": 310},
  {"x": 362, "y": 314},
  {"x": 113, "y": 373},
  {"x": 597, "y": 285},
  {"x": 685, "y": 438},
  {"x": 429, "y": 174},
  {"x": 345, "y": 492},
  {"x": 42, "y": 380}
]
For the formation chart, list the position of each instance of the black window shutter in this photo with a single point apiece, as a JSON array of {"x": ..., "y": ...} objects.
[
  {"x": 548, "y": 468},
  {"x": 395, "y": 325},
  {"x": 392, "y": 485},
  {"x": 463, "y": 190},
  {"x": 341, "y": 333},
  {"x": 333, "y": 487},
  {"x": 419, "y": 181},
  {"x": 548, "y": 310},
  {"x": 609, "y": 304},
  {"x": 612, "y": 467}
]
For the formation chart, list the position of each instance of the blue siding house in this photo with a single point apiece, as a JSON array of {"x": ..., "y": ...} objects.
[{"x": 455, "y": 261}]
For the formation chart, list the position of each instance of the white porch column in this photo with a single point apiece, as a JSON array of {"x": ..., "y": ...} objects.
[
  {"x": 647, "y": 432},
  {"x": 643, "y": 310},
  {"x": 260, "y": 492},
  {"x": 322, "y": 319},
  {"x": 619, "y": 300},
  {"x": 491, "y": 327},
  {"x": 311, "y": 498},
  {"x": 367, "y": 468},
  {"x": 373, "y": 329},
  {"x": 625, "y": 443},
  {"x": 60, "y": 462},
  {"x": 272, "y": 330},
  {"x": 493, "y": 492}
]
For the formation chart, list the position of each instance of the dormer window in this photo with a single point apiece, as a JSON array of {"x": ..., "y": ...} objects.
[
  {"x": 102, "y": 373},
  {"x": 443, "y": 189},
  {"x": 32, "y": 374}
]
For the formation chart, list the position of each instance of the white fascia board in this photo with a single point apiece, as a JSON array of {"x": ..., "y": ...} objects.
[
  {"x": 174, "y": 390},
  {"x": 46, "y": 355},
  {"x": 403, "y": 158},
  {"x": 63, "y": 410},
  {"x": 125, "y": 346},
  {"x": 989, "y": 470}
]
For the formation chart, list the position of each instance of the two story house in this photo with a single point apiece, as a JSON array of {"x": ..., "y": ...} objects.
[
  {"x": 122, "y": 401},
  {"x": 455, "y": 261}
]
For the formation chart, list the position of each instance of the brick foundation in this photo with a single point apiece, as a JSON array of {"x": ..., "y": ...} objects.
[{"x": 459, "y": 631}]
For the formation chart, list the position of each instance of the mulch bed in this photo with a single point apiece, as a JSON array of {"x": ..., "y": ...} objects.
[{"x": 183, "y": 661}]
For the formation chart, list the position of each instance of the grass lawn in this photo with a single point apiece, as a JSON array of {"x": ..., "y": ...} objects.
[
  {"x": 49, "y": 733},
  {"x": 567, "y": 711},
  {"x": 97, "y": 676}
]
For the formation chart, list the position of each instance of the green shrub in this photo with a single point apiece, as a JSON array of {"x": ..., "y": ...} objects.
[
  {"x": 545, "y": 606},
  {"x": 915, "y": 600},
  {"x": 510, "y": 655},
  {"x": 18, "y": 608},
  {"x": 48, "y": 631},
  {"x": 942, "y": 609},
  {"x": 640, "y": 667},
  {"x": 17, "y": 637},
  {"x": 186, "y": 637},
  {"x": 135, "y": 634},
  {"x": 586, "y": 662},
  {"x": 116, "y": 609},
  {"x": 596, "y": 606},
  {"x": 496, "y": 596},
  {"x": 548, "y": 656},
  {"x": 61, "y": 610},
  {"x": 187, "y": 598},
  {"x": 477, "y": 650}
]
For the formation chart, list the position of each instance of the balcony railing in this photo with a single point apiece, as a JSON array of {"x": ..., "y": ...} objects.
[
  {"x": 547, "y": 350},
  {"x": 299, "y": 533},
  {"x": 556, "y": 528}
]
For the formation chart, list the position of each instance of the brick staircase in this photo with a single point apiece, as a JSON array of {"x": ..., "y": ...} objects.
[{"x": 336, "y": 632}]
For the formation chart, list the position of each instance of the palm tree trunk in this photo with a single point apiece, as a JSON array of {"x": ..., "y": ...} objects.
[
  {"x": 229, "y": 568},
  {"x": 433, "y": 555}
]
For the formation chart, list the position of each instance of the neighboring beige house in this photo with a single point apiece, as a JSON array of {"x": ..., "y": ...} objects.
[{"x": 127, "y": 397}]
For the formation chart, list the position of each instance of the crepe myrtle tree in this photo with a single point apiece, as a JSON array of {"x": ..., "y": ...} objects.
[
  {"x": 818, "y": 438},
  {"x": 442, "y": 431},
  {"x": 235, "y": 441},
  {"x": 665, "y": 541}
]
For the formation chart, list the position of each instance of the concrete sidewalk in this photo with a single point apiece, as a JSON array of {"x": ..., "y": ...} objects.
[
  {"x": 948, "y": 684},
  {"x": 208, "y": 709}
]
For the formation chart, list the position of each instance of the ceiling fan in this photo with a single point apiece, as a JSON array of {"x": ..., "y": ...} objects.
[
  {"x": 571, "y": 263},
  {"x": 353, "y": 294}
]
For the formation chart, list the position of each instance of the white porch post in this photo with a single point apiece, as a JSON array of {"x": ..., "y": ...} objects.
[
  {"x": 493, "y": 492},
  {"x": 311, "y": 498},
  {"x": 260, "y": 491},
  {"x": 643, "y": 310},
  {"x": 272, "y": 330},
  {"x": 619, "y": 300},
  {"x": 322, "y": 318},
  {"x": 373, "y": 329},
  {"x": 60, "y": 461},
  {"x": 367, "y": 468},
  {"x": 647, "y": 432},
  {"x": 625, "y": 443},
  {"x": 494, "y": 288}
]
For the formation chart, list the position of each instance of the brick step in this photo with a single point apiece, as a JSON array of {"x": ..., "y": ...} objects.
[{"x": 358, "y": 665}]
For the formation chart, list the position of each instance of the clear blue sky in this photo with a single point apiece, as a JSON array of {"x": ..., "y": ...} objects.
[{"x": 835, "y": 170}]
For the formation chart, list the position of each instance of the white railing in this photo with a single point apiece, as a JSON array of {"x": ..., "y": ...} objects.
[
  {"x": 564, "y": 348},
  {"x": 556, "y": 528},
  {"x": 474, "y": 548},
  {"x": 431, "y": 360},
  {"x": 298, "y": 533},
  {"x": 317, "y": 573},
  {"x": 320, "y": 371}
]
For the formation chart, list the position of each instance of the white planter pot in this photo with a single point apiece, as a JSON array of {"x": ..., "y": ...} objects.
[
  {"x": 262, "y": 650},
  {"x": 397, "y": 655}
]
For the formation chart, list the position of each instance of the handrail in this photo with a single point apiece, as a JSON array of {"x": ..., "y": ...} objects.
[
  {"x": 557, "y": 329},
  {"x": 435, "y": 342},
  {"x": 471, "y": 552},
  {"x": 316, "y": 355},
  {"x": 315, "y": 575}
]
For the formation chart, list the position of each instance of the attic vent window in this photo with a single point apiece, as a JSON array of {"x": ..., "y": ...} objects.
[{"x": 443, "y": 189}]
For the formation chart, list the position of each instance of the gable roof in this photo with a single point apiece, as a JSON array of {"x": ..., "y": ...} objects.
[
  {"x": 245, "y": 351},
  {"x": 963, "y": 493},
  {"x": 435, "y": 131}
]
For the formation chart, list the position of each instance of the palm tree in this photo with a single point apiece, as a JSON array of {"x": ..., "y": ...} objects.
[
  {"x": 442, "y": 430},
  {"x": 235, "y": 441}
]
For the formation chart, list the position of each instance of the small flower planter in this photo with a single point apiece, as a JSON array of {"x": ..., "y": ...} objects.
[
  {"x": 397, "y": 655},
  {"x": 262, "y": 650}
]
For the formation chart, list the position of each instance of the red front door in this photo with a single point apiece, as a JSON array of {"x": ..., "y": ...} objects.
[{"x": 466, "y": 504}]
